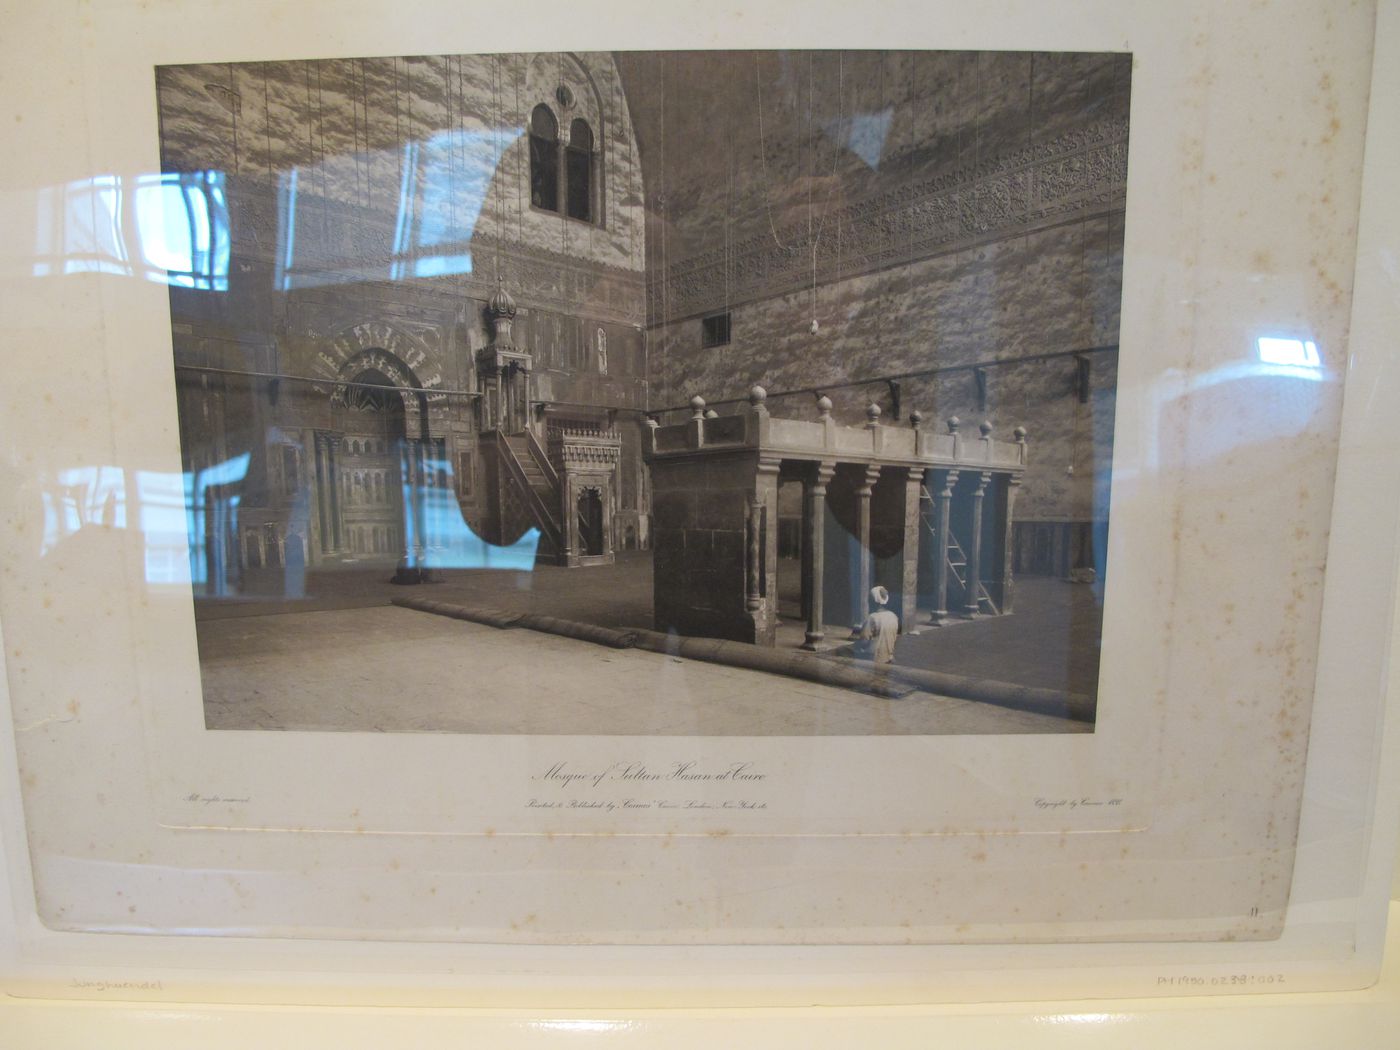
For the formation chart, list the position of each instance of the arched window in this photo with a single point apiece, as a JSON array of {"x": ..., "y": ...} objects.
[
  {"x": 579, "y": 171},
  {"x": 544, "y": 159}
]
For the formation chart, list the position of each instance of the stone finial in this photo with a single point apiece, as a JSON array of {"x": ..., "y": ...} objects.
[
  {"x": 986, "y": 427},
  {"x": 502, "y": 304},
  {"x": 915, "y": 418},
  {"x": 697, "y": 407},
  {"x": 500, "y": 311},
  {"x": 824, "y": 407},
  {"x": 757, "y": 396},
  {"x": 1020, "y": 435},
  {"x": 953, "y": 423},
  {"x": 872, "y": 415},
  {"x": 710, "y": 413}
]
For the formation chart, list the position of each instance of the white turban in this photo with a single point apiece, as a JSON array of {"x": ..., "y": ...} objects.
[{"x": 880, "y": 595}]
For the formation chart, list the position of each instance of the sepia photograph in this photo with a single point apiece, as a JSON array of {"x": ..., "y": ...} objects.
[
  {"x": 764, "y": 488},
  {"x": 505, "y": 380}
]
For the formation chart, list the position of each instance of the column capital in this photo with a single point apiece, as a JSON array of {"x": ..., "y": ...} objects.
[{"x": 872, "y": 475}]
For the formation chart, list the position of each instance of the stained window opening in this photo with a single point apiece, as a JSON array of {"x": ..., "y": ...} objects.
[
  {"x": 714, "y": 330},
  {"x": 544, "y": 159},
  {"x": 579, "y": 171}
]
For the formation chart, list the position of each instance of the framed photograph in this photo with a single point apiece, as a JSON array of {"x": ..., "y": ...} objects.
[
  {"x": 884, "y": 509},
  {"x": 440, "y": 291}
]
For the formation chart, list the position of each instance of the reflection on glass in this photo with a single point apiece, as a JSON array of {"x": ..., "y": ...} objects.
[
  {"x": 1298, "y": 353},
  {"x": 213, "y": 501},
  {"x": 866, "y": 133},
  {"x": 169, "y": 228},
  {"x": 191, "y": 534},
  {"x": 444, "y": 180}
]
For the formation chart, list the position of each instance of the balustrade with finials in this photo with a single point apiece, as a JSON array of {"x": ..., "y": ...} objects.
[{"x": 869, "y": 516}]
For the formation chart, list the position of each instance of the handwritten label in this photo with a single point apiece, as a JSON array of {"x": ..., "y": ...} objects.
[
  {"x": 116, "y": 986},
  {"x": 640, "y": 773},
  {"x": 613, "y": 805},
  {"x": 1230, "y": 980},
  {"x": 1075, "y": 803},
  {"x": 209, "y": 800},
  {"x": 646, "y": 787}
]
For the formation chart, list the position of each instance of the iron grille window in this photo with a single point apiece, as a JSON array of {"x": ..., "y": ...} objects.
[{"x": 714, "y": 330}]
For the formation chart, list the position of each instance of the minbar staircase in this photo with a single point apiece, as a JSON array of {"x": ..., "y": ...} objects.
[
  {"x": 524, "y": 463},
  {"x": 543, "y": 487},
  {"x": 955, "y": 556}
]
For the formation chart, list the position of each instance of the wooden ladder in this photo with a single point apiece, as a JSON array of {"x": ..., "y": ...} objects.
[{"x": 953, "y": 554}]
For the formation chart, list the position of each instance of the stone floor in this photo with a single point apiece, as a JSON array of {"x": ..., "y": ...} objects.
[
  {"x": 1051, "y": 641},
  {"x": 338, "y": 657},
  {"x": 387, "y": 669}
]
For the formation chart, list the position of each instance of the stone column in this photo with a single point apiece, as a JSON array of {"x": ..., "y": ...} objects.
[
  {"x": 511, "y": 416},
  {"x": 309, "y": 496},
  {"x": 943, "y": 505},
  {"x": 406, "y": 485},
  {"x": 762, "y": 597},
  {"x": 1013, "y": 486},
  {"x": 872, "y": 474},
  {"x": 913, "y": 486},
  {"x": 814, "y": 553},
  {"x": 569, "y": 520},
  {"x": 333, "y": 475},
  {"x": 322, "y": 481},
  {"x": 1008, "y": 582},
  {"x": 974, "y": 548},
  {"x": 607, "y": 494},
  {"x": 420, "y": 496},
  {"x": 753, "y": 599}
]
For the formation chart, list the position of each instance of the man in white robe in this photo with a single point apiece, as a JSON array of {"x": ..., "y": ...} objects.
[{"x": 880, "y": 628}]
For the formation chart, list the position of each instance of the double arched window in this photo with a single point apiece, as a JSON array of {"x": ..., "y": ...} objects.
[{"x": 563, "y": 176}]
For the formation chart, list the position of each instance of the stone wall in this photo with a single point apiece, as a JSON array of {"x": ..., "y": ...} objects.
[
  {"x": 371, "y": 205},
  {"x": 435, "y": 141},
  {"x": 700, "y": 507},
  {"x": 929, "y": 209}
]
